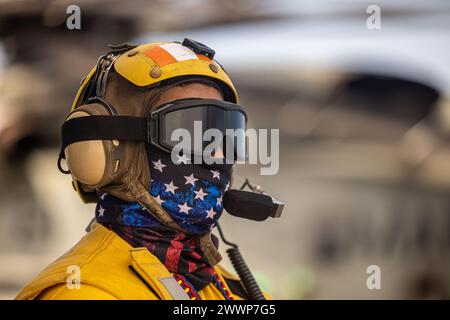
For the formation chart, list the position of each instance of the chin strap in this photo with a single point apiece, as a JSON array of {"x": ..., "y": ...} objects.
[
  {"x": 145, "y": 199},
  {"x": 209, "y": 249}
]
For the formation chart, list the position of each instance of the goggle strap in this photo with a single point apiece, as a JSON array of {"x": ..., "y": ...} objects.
[{"x": 124, "y": 128}]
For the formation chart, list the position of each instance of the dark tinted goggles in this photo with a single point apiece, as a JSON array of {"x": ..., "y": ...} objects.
[{"x": 214, "y": 123}]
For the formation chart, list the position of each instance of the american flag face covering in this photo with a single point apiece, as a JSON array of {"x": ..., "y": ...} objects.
[{"x": 192, "y": 194}]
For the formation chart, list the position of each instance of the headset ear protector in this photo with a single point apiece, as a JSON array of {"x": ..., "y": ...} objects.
[{"x": 93, "y": 163}]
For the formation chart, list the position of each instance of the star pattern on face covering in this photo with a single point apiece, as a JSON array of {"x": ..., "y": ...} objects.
[
  {"x": 170, "y": 187},
  {"x": 219, "y": 200},
  {"x": 190, "y": 194},
  {"x": 184, "y": 208},
  {"x": 159, "y": 200},
  {"x": 159, "y": 165},
  {"x": 190, "y": 179},
  {"x": 215, "y": 173},
  {"x": 183, "y": 159},
  {"x": 200, "y": 194},
  {"x": 211, "y": 213},
  {"x": 101, "y": 211}
]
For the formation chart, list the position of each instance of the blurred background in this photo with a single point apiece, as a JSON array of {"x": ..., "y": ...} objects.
[{"x": 364, "y": 119}]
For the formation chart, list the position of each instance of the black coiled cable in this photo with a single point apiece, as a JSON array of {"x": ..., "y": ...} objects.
[
  {"x": 245, "y": 274},
  {"x": 249, "y": 282}
]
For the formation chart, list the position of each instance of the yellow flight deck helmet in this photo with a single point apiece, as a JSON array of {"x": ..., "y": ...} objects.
[{"x": 147, "y": 66}]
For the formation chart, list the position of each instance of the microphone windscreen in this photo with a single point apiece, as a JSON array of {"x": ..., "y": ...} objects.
[{"x": 248, "y": 205}]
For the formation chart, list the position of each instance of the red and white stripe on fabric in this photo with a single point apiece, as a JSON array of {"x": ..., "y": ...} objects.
[{"x": 172, "y": 52}]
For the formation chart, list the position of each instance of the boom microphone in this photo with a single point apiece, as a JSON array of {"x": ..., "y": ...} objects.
[{"x": 251, "y": 205}]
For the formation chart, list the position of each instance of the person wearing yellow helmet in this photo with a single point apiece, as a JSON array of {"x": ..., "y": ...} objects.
[{"x": 151, "y": 237}]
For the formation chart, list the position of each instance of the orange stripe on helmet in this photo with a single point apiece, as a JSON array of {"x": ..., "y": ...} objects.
[{"x": 160, "y": 56}]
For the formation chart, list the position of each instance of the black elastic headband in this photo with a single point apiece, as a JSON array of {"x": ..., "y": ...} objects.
[
  {"x": 103, "y": 128},
  {"x": 127, "y": 128}
]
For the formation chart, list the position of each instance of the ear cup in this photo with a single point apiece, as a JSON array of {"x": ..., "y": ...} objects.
[
  {"x": 94, "y": 163},
  {"x": 86, "y": 159}
]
